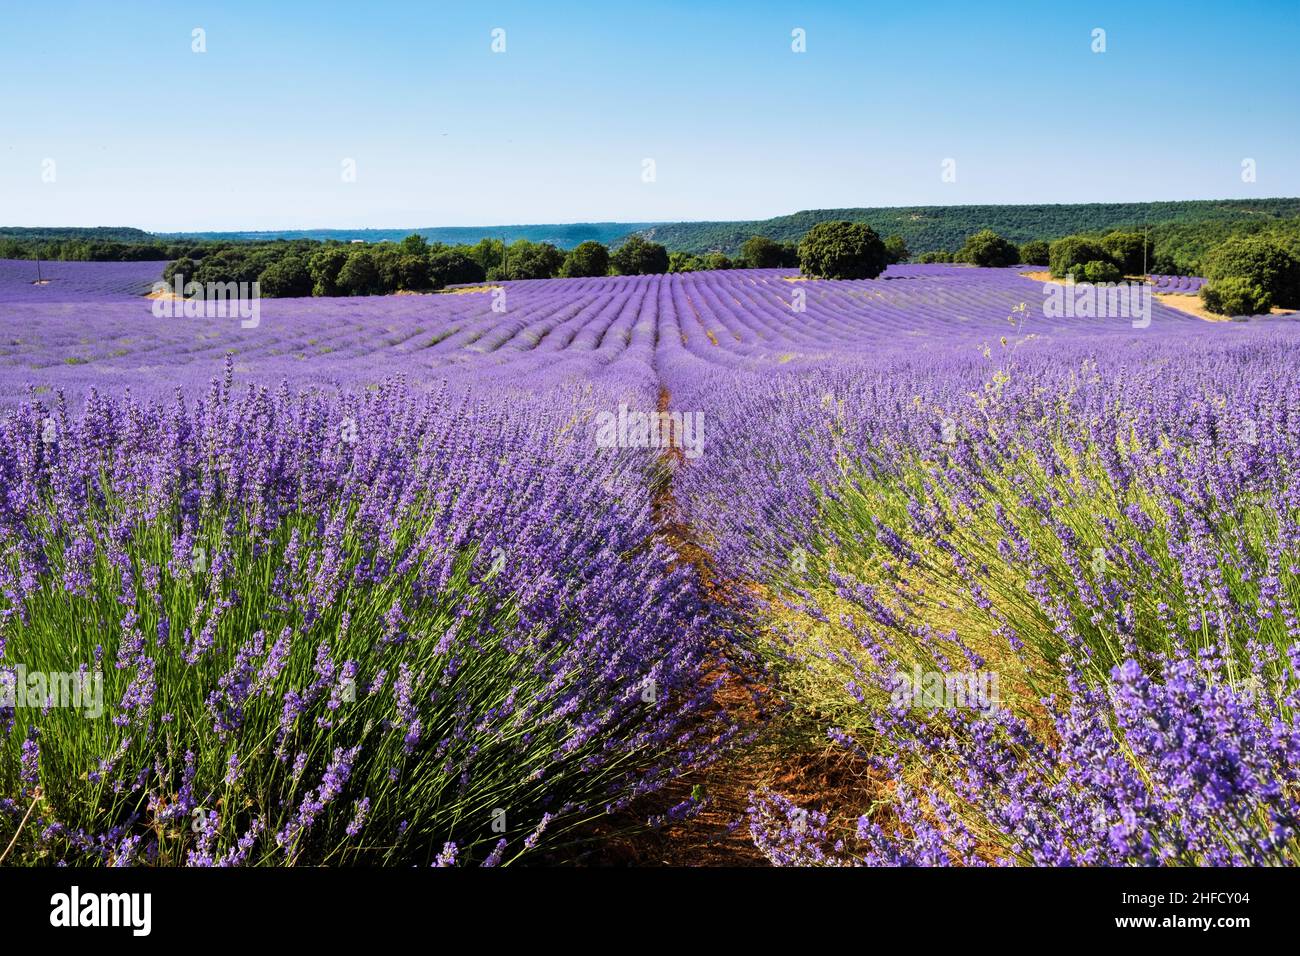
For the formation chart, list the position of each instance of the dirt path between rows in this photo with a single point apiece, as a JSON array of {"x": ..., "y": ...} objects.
[{"x": 719, "y": 834}]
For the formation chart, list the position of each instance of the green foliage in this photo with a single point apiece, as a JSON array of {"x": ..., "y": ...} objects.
[
  {"x": 564, "y": 235},
  {"x": 289, "y": 277},
  {"x": 931, "y": 228},
  {"x": 1260, "y": 261},
  {"x": 684, "y": 262},
  {"x": 1182, "y": 233},
  {"x": 93, "y": 244},
  {"x": 184, "y": 267},
  {"x": 415, "y": 245},
  {"x": 586, "y": 259},
  {"x": 896, "y": 247},
  {"x": 1074, "y": 251},
  {"x": 454, "y": 267},
  {"x": 842, "y": 250},
  {"x": 119, "y": 234},
  {"x": 1035, "y": 252},
  {"x": 1234, "y": 295},
  {"x": 639, "y": 256},
  {"x": 986, "y": 248},
  {"x": 532, "y": 260},
  {"x": 1096, "y": 271},
  {"x": 1131, "y": 252},
  {"x": 233, "y": 265},
  {"x": 488, "y": 253},
  {"x": 760, "y": 252},
  {"x": 1181, "y": 248},
  {"x": 324, "y": 266},
  {"x": 359, "y": 274},
  {"x": 413, "y": 264},
  {"x": 414, "y": 273}
]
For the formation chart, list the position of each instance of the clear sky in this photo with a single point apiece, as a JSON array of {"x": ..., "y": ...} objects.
[{"x": 253, "y": 133}]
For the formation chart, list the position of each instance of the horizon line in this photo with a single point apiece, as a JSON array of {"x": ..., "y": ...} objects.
[{"x": 646, "y": 222}]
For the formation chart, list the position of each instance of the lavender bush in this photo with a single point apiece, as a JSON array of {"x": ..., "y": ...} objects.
[
  {"x": 1116, "y": 543},
  {"x": 364, "y": 630}
]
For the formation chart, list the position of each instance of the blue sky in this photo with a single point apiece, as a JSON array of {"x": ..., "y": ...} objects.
[{"x": 253, "y": 133}]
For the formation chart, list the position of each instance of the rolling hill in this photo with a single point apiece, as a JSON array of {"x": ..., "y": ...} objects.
[{"x": 927, "y": 228}]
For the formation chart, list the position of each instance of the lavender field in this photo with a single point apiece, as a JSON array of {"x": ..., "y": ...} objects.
[
  {"x": 89, "y": 326},
  {"x": 369, "y": 581}
]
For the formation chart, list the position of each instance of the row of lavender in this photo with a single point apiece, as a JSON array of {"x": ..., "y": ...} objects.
[
  {"x": 520, "y": 331},
  {"x": 262, "y": 626},
  {"x": 1049, "y": 594},
  {"x": 1186, "y": 285}
]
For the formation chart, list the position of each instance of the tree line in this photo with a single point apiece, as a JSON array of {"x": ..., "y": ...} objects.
[
  {"x": 935, "y": 228},
  {"x": 305, "y": 267},
  {"x": 1247, "y": 274},
  {"x": 89, "y": 250},
  {"x": 1250, "y": 267}
]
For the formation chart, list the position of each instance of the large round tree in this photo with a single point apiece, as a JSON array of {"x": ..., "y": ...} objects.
[
  {"x": 1261, "y": 262},
  {"x": 987, "y": 248},
  {"x": 1073, "y": 251},
  {"x": 586, "y": 259},
  {"x": 842, "y": 250},
  {"x": 760, "y": 252},
  {"x": 639, "y": 256},
  {"x": 290, "y": 277},
  {"x": 453, "y": 267},
  {"x": 1132, "y": 252}
]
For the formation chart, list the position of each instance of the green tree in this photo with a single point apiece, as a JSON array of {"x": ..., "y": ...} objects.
[
  {"x": 586, "y": 259},
  {"x": 233, "y": 264},
  {"x": 896, "y": 246},
  {"x": 453, "y": 267},
  {"x": 639, "y": 256},
  {"x": 415, "y": 245},
  {"x": 184, "y": 267},
  {"x": 533, "y": 260},
  {"x": 414, "y": 273},
  {"x": 1035, "y": 252},
  {"x": 1261, "y": 262},
  {"x": 1234, "y": 295},
  {"x": 760, "y": 252},
  {"x": 842, "y": 250},
  {"x": 1096, "y": 271},
  {"x": 1074, "y": 251},
  {"x": 488, "y": 253},
  {"x": 683, "y": 262},
  {"x": 1131, "y": 252},
  {"x": 325, "y": 264},
  {"x": 986, "y": 248},
  {"x": 387, "y": 257},
  {"x": 360, "y": 274},
  {"x": 290, "y": 277}
]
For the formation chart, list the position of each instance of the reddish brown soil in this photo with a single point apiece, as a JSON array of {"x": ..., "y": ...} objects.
[{"x": 818, "y": 777}]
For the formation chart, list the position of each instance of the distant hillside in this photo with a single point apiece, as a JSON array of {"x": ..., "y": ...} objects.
[
  {"x": 564, "y": 235},
  {"x": 56, "y": 233},
  {"x": 1183, "y": 230},
  {"x": 927, "y": 228}
]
